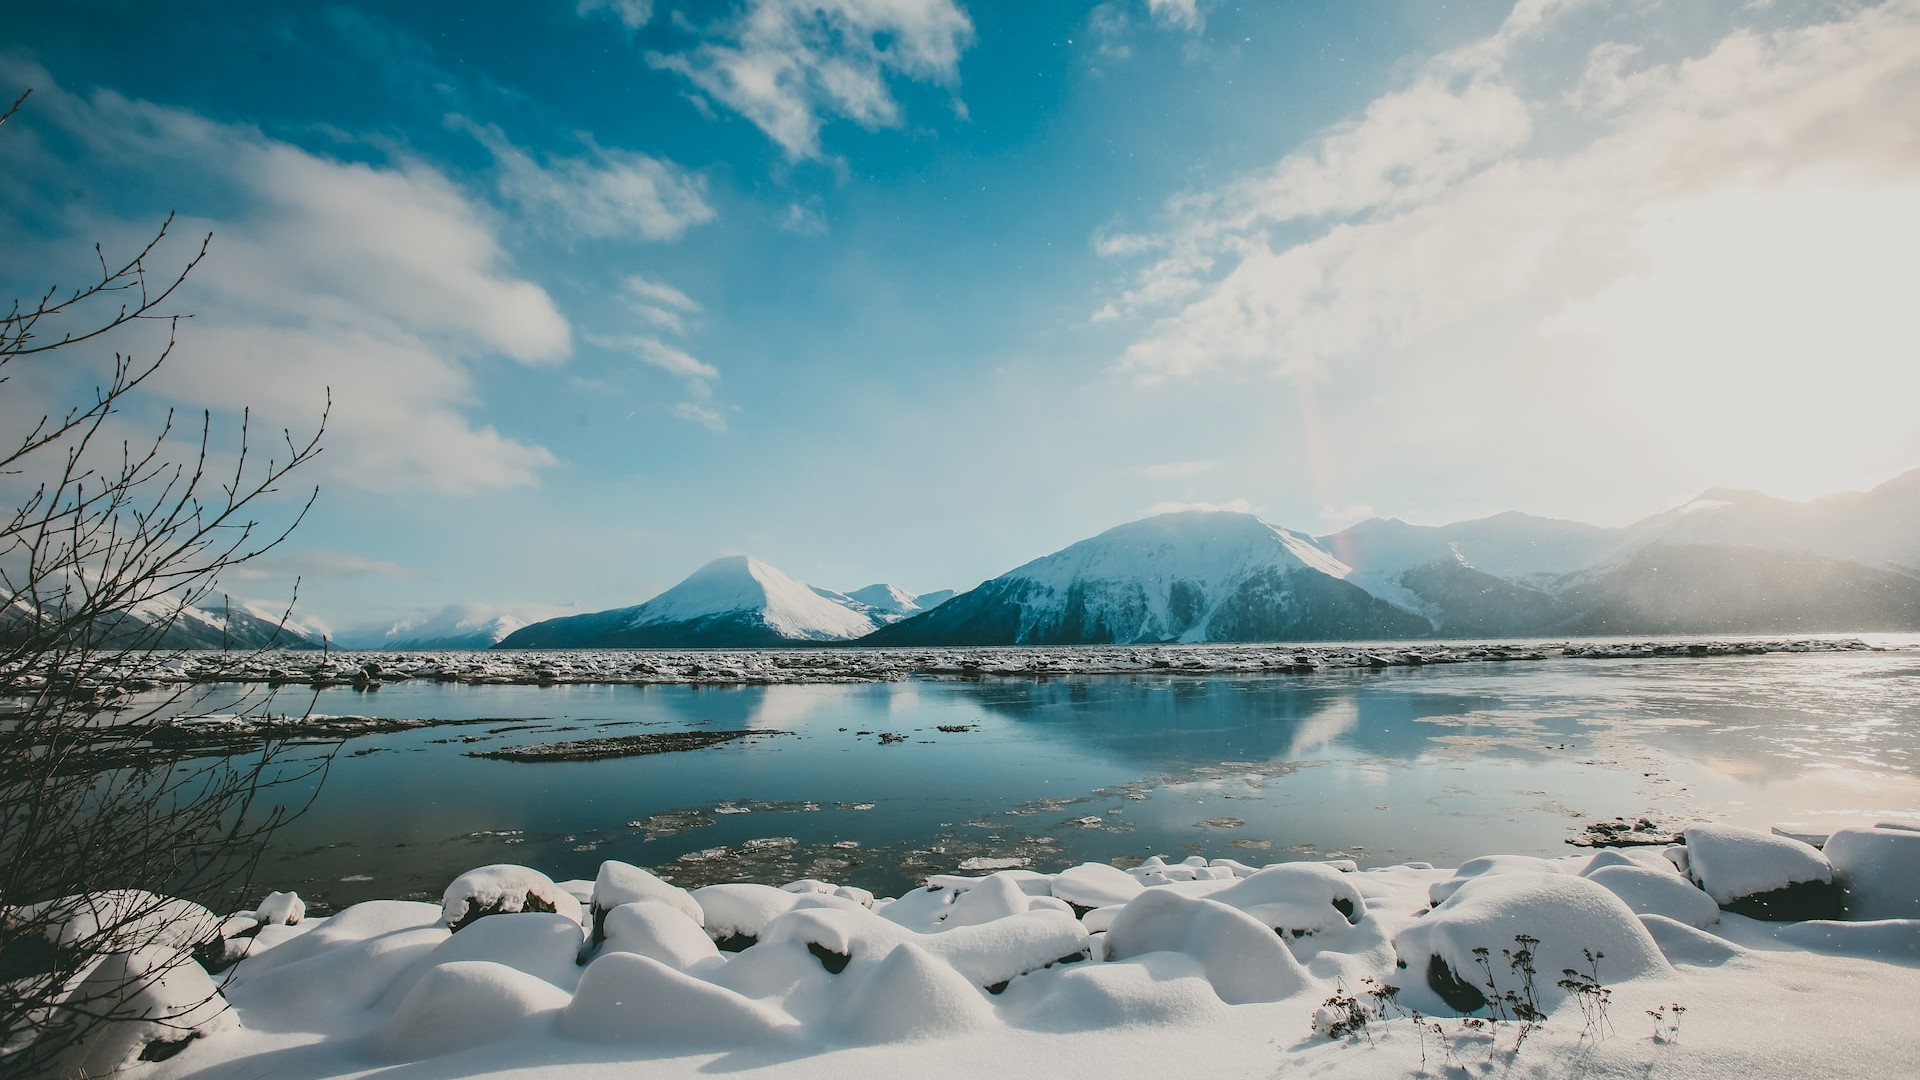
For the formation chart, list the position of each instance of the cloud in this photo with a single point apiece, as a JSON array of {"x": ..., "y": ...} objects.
[
  {"x": 1636, "y": 234},
  {"x": 383, "y": 284},
  {"x": 653, "y": 351},
  {"x": 604, "y": 193},
  {"x": 804, "y": 219},
  {"x": 632, "y": 14},
  {"x": 1181, "y": 14},
  {"x": 660, "y": 304},
  {"x": 790, "y": 65},
  {"x": 1236, "y": 506},
  {"x": 702, "y": 409}
]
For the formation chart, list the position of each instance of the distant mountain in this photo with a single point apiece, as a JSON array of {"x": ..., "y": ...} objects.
[
  {"x": 892, "y": 601},
  {"x": 734, "y": 602},
  {"x": 1191, "y": 576},
  {"x": 458, "y": 626},
  {"x": 1726, "y": 562},
  {"x": 165, "y": 624}
]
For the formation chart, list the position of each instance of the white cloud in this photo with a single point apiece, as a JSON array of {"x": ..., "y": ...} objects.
[
  {"x": 1236, "y": 506},
  {"x": 653, "y": 351},
  {"x": 1721, "y": 220},
  {"x": 382, "y": 285},
  {"x": 604, "y": 193},
  {"x": 632, "y": 14},
  {"x": 789, "y": 65},
  {"x": 1181, "y": 14}
]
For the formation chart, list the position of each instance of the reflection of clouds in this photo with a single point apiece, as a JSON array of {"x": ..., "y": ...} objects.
[
  {"x": 1320, "y": 729},
  {"x": 791, "y": 705},
  {"x": 902, "y": 698}
]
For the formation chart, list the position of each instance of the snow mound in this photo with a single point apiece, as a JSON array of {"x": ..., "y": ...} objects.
[
  {"x": 620, "y": 883},
  {"x": 537, "y": 943},
  {"x": 1297, "y": 898},
  {"x": 281, "y": 909},
  {"x": 988, "y": 955},
  {"x": 150, "y": 995},
  {"x": 624, "y": 997},
  {"x": 1683, "y": 944},
  {"x": 123, "y": 919},
  {"x": 1658, "y": 892},
  {"x": 1895, "y": 940},
  {"x": 741, "y": 909},
  {"x": 661, "y": 931},
  {"x": 503, "y": 889},
  {"x": 1095, "y": 885},
  {"x": 334, "y": 971},
  {"x": 1240, "y": 956},
  {"x": 1440, "y": 891},
  {"x": 1878, "y": 870},
  {"x": 1760, "y": 874},
  {"x": 908, "y": 995},
  {"x": 466, "y": 1003},
  {"x": 1158, "y": 988},
  {"x": 1567, "y": 916}
]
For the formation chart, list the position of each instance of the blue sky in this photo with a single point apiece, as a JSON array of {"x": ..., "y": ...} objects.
[{"x": 917, "y": 290}]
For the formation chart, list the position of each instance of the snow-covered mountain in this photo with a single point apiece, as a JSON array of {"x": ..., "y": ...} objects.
[
  {"x": 163, "y": 623},
  {"x": 457, "y": 626},
  {"x": 1190, "y": 576},
  {"x": 896, "y": 603},
  {"x": 732, "y": 602}
]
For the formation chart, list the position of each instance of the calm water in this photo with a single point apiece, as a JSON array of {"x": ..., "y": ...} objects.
[{"x": 1439, "y": 764}]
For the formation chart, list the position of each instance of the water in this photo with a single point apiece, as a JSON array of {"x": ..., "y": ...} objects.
[{"x": 1438, "y": 764}]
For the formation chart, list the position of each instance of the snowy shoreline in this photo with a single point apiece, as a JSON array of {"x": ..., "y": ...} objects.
[
  {"x": 369, "y": 670},
  {"x": 1203, "y": 966}
]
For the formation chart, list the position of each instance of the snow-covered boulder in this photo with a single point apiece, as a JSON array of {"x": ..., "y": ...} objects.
[
  {"x": 624, "y": 997},
  {"x": 1878, "y": 870},
  {"x": 1485, "y": 865},
  {"x": 281, "y": 909},
  {"x": 538, "y": 943},
  {"x": 1157, "y": 988},
  {"x": 735, "y": 914},
  {"x": 1567, "y": 916},
  {"x": 988, "y": 955},
  {"x": 121, "y": 920},
  {"x": 908, "y": 995},
  {"x": 661, "y": 931},
  {"x": 1681, "y": 943},
  {"x": 1759, "y": 874},
  {"x": 1658, "y": 892},
  {"x": 1297, "y": 898},
  {"x": 344, "y": 964},
  {"x": 503, "y": 889},
  {"x": 466, "y": 1003},
  {"x": 155, "y": 1000},
  {"x": 1240, "y": 956},
  {"x": 1095, "y": 885},
  {"x": 623, "y": 883}
]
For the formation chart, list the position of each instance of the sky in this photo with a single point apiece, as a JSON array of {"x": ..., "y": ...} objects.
[{"x": 916, "y": 291}]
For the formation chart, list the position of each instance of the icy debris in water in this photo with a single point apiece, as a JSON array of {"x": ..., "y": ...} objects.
[{"x": 987, "y": 862}]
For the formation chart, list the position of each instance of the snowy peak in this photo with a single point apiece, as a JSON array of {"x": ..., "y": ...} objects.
[
  {"x": 886, "y": 598},
  {"x": 1188, "y": 576},
  {"x": 740, "y": 584}
]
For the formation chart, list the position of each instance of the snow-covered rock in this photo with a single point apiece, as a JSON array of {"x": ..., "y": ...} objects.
[
  {"x": 502, "y": 889},
  {"x": 620, "y": 883},
  {"x": 907, "y": 995},
  {"x": 1760, "y": 874},
  {"x": 539, "y": 943},
  {"x": 1878, "y": 870},
  {"x": 1096, "y": 885},
  {"x": 1241, "y": 957},
  {"x": 662, "y": 931},
  {"x": 281, "y": 909},
  {"x": 1567, "y": 916},
  {"x": 153, "y": 994},
  {"x": 1297, "y": 898},
  {"x": 741, "y": 910}
]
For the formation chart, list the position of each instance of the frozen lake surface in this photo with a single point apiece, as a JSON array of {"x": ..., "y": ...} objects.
[{"x": 1436, "y": 763}]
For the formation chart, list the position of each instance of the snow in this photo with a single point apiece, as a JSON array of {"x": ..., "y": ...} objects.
[
  {"x": 1655, "y": 892},
  {"x": 622, "y": 883},
  {"x": 466, "y": 1003},
  {"x": 155, "y": 994},
  {"x": 987, "y": 975},
  {"x": 281, "y": 908},
  {"x": 1879, "y": 871},
  {"x": 1732, "y": 863}
]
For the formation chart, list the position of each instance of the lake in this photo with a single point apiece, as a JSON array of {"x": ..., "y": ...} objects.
[{"x": 1437, "y": 764}]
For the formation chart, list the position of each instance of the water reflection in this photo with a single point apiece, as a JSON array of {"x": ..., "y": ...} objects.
[{"x": 1438, "y": 764}]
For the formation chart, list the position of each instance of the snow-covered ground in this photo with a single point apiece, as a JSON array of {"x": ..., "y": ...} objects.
[{"x": 1616, "y": 964}]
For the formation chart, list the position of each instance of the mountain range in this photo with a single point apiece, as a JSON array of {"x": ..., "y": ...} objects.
[{"x": 1725, "y": 562}]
